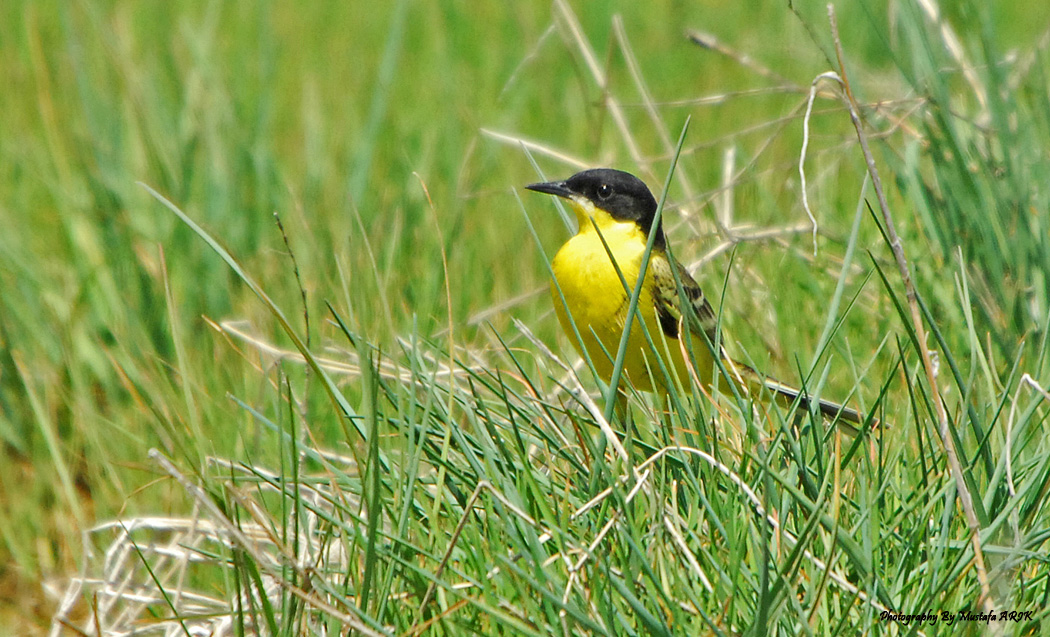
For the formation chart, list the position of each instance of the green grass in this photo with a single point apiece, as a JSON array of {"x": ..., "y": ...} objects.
[{"x": 368, "y": 413}]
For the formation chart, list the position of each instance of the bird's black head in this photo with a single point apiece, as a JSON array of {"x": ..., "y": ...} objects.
[{"x": 621, "y": 194}]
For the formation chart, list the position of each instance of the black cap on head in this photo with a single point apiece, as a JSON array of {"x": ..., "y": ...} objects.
[{"x": 621, "y": 194}]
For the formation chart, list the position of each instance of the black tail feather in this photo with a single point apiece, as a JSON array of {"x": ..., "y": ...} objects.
[
  {"x": 831, "y": 410},
  {"x": 844, "y": 416}
]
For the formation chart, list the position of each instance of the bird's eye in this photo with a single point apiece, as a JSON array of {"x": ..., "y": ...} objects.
[{"x": 605, "y": 191}]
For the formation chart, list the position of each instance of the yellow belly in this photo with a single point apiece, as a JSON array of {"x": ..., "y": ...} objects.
[{"x": 597, "y": 301}]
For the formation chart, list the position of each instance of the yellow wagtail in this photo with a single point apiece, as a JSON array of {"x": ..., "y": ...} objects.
[{"x": 616, "y": 211}]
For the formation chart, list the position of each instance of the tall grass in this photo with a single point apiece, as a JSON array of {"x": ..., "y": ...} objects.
[{"x": 340, "y": 424}]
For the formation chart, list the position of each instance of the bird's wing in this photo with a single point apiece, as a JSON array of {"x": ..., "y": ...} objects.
[{"x": 665, "y": 296}]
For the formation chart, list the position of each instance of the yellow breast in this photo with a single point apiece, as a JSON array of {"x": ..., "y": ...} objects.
[{"x": 597, "y": 301}]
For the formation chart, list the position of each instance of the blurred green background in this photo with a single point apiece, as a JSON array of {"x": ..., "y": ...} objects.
[{"x": 364, "y": 126}]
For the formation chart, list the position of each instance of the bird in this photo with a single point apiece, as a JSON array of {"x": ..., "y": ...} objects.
[{"x": 616, "y": 212}]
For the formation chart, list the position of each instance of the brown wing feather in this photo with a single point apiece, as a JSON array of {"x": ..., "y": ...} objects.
[{"x": 665, "y": 296}]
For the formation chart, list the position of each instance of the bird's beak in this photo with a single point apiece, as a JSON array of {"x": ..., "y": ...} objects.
[{"x": 558, "y": 188}]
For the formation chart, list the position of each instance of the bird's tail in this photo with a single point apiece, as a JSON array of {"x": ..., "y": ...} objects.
[{"x": 850, "y": 420}]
